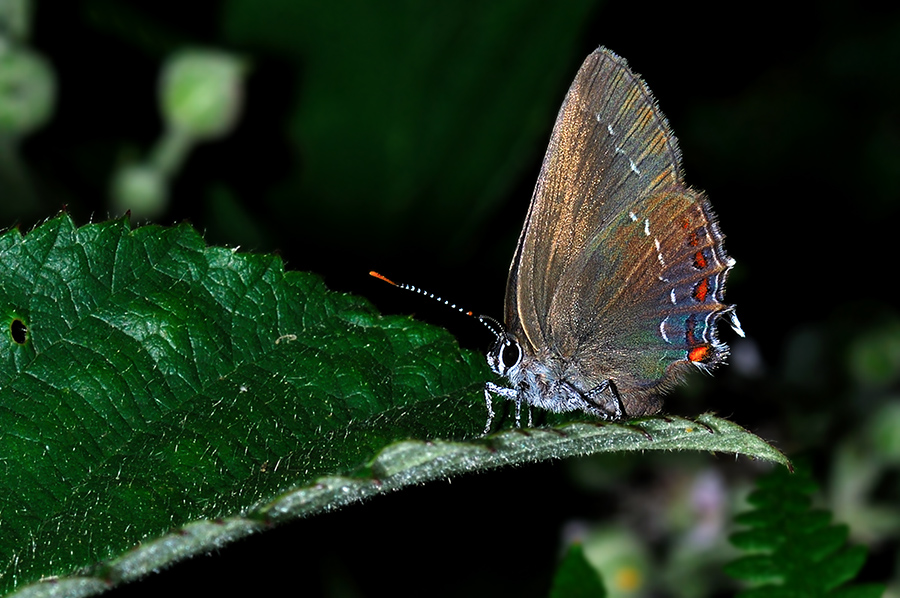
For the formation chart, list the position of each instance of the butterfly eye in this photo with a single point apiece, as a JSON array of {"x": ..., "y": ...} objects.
[
  {"x": 505, "y": 354},
  {"x": 510, "y": 355}
]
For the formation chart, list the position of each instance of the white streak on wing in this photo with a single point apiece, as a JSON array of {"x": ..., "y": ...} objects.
[
  {"x": 707, "y": 324},
  {"x": 736, "y": 324},
  {"x": 631, "y": 163},
  {"x": 633, "y": 216},
  {"x": 647, "y": 226},
  {"x": 608, "y": 127},
  {"x": 662, "y": 330},
  {"x": 672, "y": 296}
]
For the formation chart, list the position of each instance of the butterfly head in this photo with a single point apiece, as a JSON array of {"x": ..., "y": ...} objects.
[{"x": 505, "y": 356}]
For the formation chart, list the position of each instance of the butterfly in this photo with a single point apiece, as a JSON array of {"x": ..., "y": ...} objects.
[{"x": 617, "y": 281}]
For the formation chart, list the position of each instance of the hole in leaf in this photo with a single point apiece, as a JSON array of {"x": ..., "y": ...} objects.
[{"x": 19, "y": 331}]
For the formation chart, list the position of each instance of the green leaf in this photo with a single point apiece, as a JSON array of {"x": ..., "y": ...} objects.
[
  {"x": 823, "y": 542},
  {"x": 799, "y": 553},
  {"x": 842, "y": 567},
  {"x": 755, "y": 568},
  {"x": 756, "y": 540},
  {"x": 159, "y": 398},
  {"x": 576, "y": 578}
]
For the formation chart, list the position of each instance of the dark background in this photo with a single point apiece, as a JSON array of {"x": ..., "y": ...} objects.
[{"x": 407, "y": 137}]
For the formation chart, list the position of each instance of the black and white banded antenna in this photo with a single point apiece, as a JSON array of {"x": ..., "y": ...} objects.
[{"x": 490, "y": 323}]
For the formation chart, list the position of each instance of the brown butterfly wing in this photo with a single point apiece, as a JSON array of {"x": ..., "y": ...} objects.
[{"x": 610, "y": 238}]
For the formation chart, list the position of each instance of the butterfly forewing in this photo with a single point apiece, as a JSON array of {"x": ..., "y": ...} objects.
[{"x": 609, "y": 146}]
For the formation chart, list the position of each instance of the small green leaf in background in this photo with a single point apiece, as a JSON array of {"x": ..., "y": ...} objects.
[
  {"x": 201, "y": 93},
  {"x": 794, "y": 549},
  {"x": 27, "y": 92},
  {"x": 159, "y": 398},
  {"x": 576, "y": 578}
]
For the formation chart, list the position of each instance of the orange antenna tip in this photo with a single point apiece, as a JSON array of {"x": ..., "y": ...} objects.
[{"x": 380, "y": 277}]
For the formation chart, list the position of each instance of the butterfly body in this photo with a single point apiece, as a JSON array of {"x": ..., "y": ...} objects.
[{"x": 618, "y": 277}]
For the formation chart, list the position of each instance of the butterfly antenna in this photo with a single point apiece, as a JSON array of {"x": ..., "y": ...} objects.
[
  {"x": 490, "y": 323},
  {"x": 493, "y": 325}
]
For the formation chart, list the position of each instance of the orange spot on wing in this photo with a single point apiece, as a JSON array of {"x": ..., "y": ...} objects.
[
  {"x": 700, "y": 260},
  {"x": 701, "y": 290},
  {"x": 698, "y": 354}
]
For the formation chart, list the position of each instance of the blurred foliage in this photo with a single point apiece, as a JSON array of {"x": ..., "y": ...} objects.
[
  {"x": 576, "y": 578},
  {"x": 407, "y": 137},
  {"x": 200, "y": 95},
  {"x": 793, "y": 549}
]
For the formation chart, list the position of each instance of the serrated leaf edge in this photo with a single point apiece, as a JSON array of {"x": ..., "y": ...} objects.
[{"x": 406, "y": 463}]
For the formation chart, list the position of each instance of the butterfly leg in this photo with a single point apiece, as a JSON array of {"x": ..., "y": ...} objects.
[
  {"x": 507, "y": 393},
  {"x": 519, "y": 412},
  {"x": 618, "y": 408},
  {"x": 490, "y": 411}
]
